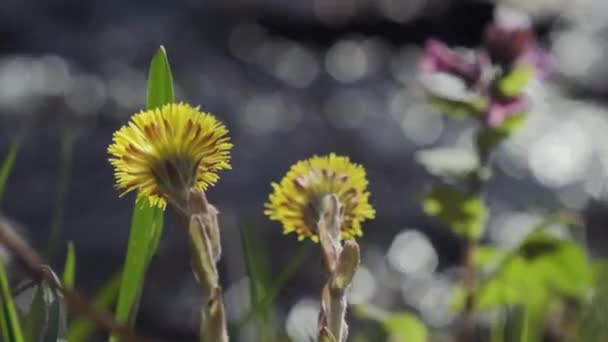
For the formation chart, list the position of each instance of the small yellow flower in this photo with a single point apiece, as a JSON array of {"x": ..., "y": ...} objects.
[
  {"x": 295, "y": 201},
  {"x": 165, "y": 152}
]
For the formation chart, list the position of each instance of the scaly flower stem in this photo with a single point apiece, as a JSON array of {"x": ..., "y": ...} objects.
[
  {"x": 341, "y": 263},
  {"x": 206, "y": 251}
]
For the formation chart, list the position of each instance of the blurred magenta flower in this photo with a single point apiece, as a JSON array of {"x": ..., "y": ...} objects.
[
  {"x": 438, "y": 57},
  {"x": 500, "y": 110},
  {"x": 498, "y": 71}
]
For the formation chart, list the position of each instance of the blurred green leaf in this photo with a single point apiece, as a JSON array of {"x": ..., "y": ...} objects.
[
  {"x": 46, "y": 320},
  {"x": 61, "y": 191},
  {"x": 147, "y": 221},
  {"x": 490, "y": 137},
  {"x": 69, "y": 269},
  {"x": 405, "y": 327},
  {"x": 562, "y": 264},
  {"x": 7, "y": 166},
  {"x": 10, "y": 329},
  {"x": 399, "y": 326},
  {"x": 82, "y": 329},
  {"x": 513, "y": 84},
  {"x": 278, "y": 283},
  {"x": 256, "y": 263},
  {"x": 593, "y": 323},
  {"x": 450, "y": 164},
  {"x": 35, "y": 320},
  {"x": 465, "y": 214},
  {"x": 541, "y": 266},
  {"x": 458, "y": 109}
]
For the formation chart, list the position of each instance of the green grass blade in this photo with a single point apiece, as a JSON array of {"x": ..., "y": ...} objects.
[
  {"x": 61, "y": 192},
  {"x": 147, "y": 221},
  {"x": 82, "y": 329},
  {"x": 7, "y": 166},
  {"x": 278, "y": 283},
  {"x": 69, "y": 269},
  {"x": 146, "y": 228},
  {"x": 9, "y": 321},
  {"x": 160, "y": 81}
]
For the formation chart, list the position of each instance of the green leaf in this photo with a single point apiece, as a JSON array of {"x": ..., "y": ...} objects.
[
  {"x": 405, "y": 327},
  {"x": 147, "y": 221},
  {"x": 257, "y": 267},
  {"x": 61, "y": 192},
  {"x": 592, "y": 325},
  {"x": 82, "y": 329},
  {"x": 69, "y": 269},
  {"x": 513, "y": 84},
  {"x": 10, "y": 329},
  {"x": 458, "y": 109},
  {"x": 46, "y": 320},
  {"x": 7, "y": 166},
  {"x": 542, "y": 266},
  {"x": 160, "y": 81},
  {"x": 400, "y": 326},
  {"x": 146, "y": 229},
  {"x": 489, "y": 138},
  {"x": 561, "y": 264},
  {"x": 464, "y": 213}
]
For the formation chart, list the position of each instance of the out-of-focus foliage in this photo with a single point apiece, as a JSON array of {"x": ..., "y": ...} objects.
[
  {"x": 464, "y": 213},
  {"x": 7, "y": 166},
  {"x": 10, "y": 328},
  {"x": 46, "y": 320}
]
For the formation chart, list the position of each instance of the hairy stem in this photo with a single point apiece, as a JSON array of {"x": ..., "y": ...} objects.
[
  {"x": 206, "y": 251},
  {"x": 341, "y": 263}
]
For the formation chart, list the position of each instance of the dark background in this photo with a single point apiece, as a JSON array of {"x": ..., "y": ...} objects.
[{"x": 290, "y": 79}]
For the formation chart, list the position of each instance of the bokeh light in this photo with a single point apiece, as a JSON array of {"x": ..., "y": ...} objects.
[
  {"x": 301, "y": 322},
  {"x": 412, "y": 253}
]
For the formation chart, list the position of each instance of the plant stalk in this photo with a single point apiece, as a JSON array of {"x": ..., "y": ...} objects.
[
  {"x": 206, "y": 252},
  {"x": 341, "y": 263}
]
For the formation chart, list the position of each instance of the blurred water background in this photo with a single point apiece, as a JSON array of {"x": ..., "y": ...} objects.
[{"x": 290, "y": 79}]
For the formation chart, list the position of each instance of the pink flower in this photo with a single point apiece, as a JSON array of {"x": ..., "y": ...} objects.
[
  {"x": 500, "y": 110},
  {"x": 438, "y": 57},
  {"x": 540, "y": 59}
]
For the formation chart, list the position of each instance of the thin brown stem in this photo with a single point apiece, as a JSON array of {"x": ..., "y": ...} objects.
[{"x": 76, "y": 302}]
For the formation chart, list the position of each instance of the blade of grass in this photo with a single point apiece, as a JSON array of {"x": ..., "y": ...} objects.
[
  {"x": 266, "y": 301},
  {"x": 9, "y": 321},
  {"x": 7, "y": 166},
  {"x": 61, "y": 191},
  {"x": 147, "y": 221},
  {"x": 256, "y": 263},
  {"x": 69, "y": 269},
  {"x": 160, "y": 81},
  {"x": 82, "y": 330},
  {"x": 264, "y": 290}
]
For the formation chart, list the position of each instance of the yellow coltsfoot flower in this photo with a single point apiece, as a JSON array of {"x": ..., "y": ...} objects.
[
  {"x": 164, "y": 152},
  {"x": 296, "y": 199}
]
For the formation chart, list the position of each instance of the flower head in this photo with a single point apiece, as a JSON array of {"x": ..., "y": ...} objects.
[
  {"x": 296, "y": 199},
  {"x": 164, "y": 152},
  {"x": 438, "y": 57}
]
